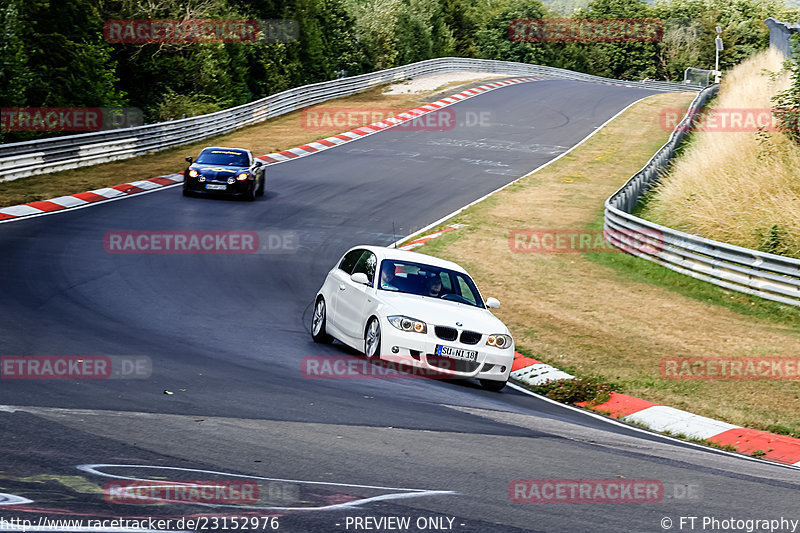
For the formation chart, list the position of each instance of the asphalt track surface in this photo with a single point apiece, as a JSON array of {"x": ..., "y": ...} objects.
[{"x": 226, "y": 334}]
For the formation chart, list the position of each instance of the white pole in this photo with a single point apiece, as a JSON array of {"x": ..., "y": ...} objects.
[{"x": 718, "y": 46}]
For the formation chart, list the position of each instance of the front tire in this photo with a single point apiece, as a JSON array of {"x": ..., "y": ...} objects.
[
  {"x": 372, "y": 339},
  {"x": 260, "y": 191},
  {"x": 492, "y": 385},
  {"x": 250, "y": 195},
  {"x": 318, "y": 323}
]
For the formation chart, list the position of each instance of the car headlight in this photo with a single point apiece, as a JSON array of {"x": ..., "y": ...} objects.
[
  {"x": 242, "y": 176},
  {"x": 499, "y": 340},
  {"x": 193, "y": 173},
  {"x": 405, "y": 323}
]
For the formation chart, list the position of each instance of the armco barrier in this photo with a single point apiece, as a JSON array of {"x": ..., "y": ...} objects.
[
  {"x": 733, "y": 267},
  {"x": 23, "y": 159},
  {"x": 780, "y": 35}
]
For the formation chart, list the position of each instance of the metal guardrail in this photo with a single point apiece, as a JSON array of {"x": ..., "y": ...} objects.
[
  {"x": 750, "y": 271},
  {"x": 780, "y": 35},
  {"x": 23, "y": 159}
]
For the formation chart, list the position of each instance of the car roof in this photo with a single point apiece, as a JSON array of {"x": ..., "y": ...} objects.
[
  {"x": 225, "y": 148},
  {"x": 414, "y": 257}
]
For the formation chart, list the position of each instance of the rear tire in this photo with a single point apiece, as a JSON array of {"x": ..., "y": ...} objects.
[
  {"x": 492, "y": 385},
  {"x": 318, "y": 322}
]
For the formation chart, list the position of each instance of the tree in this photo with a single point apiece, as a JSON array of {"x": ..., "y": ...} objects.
[
  {"x": 492, "y": 39},
  {"x": 623, "y": 60},
  {"x": 15, "y": 76},
  {"x": 54, "y": 55}
]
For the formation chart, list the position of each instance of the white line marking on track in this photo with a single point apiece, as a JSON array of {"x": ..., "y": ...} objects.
[
  {"x": 11, "y": 499},
  {"x": 406, "y": 493}
]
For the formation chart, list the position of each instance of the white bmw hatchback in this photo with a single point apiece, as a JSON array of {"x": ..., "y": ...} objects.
[{"x": 416, "y": 309}]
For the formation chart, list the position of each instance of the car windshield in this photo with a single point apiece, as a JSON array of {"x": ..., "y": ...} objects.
[
  {"x": 230, "y": 158},
  {"x": 428, "y": 281}
]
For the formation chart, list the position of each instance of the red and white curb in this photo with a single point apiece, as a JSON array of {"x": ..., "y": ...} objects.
[
  {"x": 342, "y": 138},
  {"x": 779, "y": 448},
  {"x": 422, "y": 240},
  {"x": 82, "y": 199},
  {"x": 128, "y": 189}
]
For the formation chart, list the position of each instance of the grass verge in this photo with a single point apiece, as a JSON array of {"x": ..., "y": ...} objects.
[{"x": 613, "y": 316}]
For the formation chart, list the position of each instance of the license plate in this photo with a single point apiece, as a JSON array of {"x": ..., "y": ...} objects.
[
  {"x": 456, "y": 353},
  {"x": 215, "y": 187}
]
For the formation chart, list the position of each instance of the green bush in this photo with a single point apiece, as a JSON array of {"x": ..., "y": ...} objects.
[
  {"x": 174, "y": 106},
  {"x": 592, "y": 390}
]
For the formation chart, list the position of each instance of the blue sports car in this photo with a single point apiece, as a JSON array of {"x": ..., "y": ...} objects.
[{"x": 223, "y": 170}]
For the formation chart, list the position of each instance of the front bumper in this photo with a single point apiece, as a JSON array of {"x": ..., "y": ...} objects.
[
  {"x": 201, "y": 187},
  {"x": 419, "y": 349}
]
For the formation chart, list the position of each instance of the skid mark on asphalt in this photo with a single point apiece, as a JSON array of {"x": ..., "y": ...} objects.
[{"x": 499, "y": 145}]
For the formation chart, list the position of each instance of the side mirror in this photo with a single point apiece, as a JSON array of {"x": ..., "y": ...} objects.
[
  {"x": 189, "y": 158},
  {"x": 492, "y": 303},
  {"x": 259, "y": 164},
  {"x": 360, "y": 277}
]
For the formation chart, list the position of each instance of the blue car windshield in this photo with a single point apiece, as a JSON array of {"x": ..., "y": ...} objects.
[
  {"x": 429, "y": 281},
  {"x": 230, "y": 158}
]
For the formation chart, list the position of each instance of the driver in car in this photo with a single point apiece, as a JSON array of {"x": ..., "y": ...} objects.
[
  {"x": 387, "y": 278},
  {"x": 435, "y": 287}
]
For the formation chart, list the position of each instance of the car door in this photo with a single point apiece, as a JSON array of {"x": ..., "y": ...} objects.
[
  {"x": 353, "y": 297},
  {"x": 338, "y": 277}
]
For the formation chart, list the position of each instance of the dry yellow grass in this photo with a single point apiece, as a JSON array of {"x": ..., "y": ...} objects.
[
  {"x": 738, "y": 187},
  {"x": 581, "y": 315}
]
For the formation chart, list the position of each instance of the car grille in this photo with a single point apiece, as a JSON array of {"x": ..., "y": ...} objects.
[
  {"x": 445, "y": 333},
  {"x": 470, "y": 337},
  {"x": 453, "y": 365}
]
